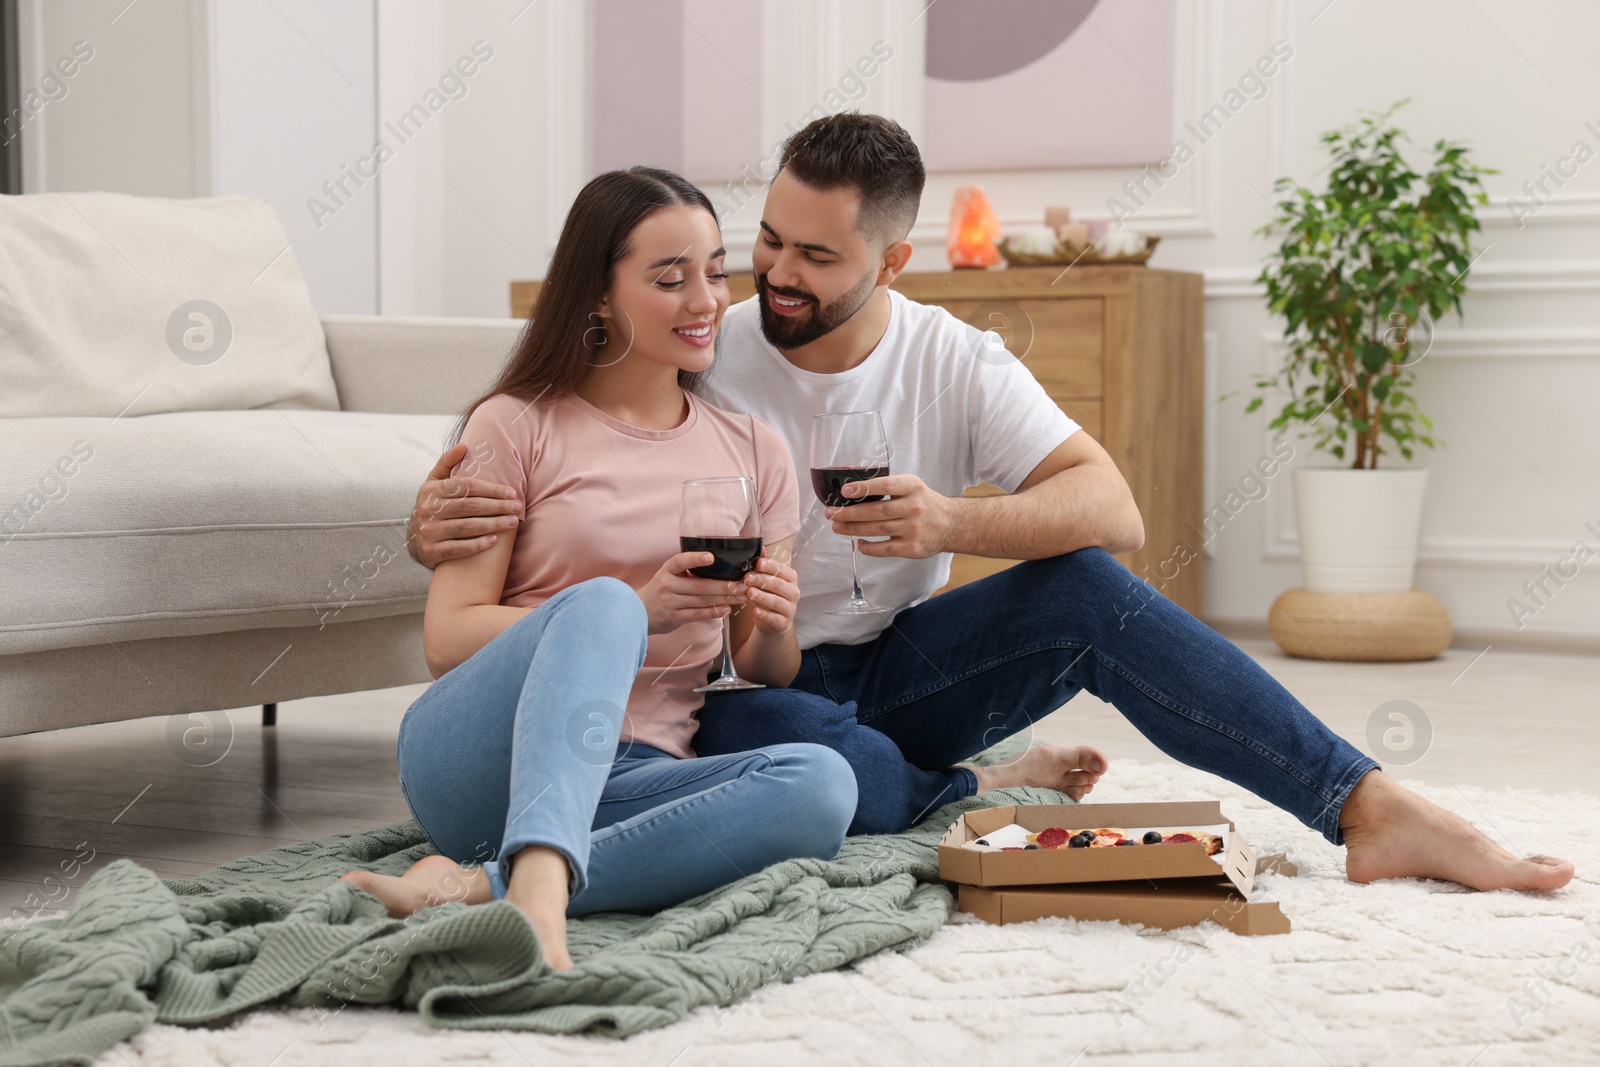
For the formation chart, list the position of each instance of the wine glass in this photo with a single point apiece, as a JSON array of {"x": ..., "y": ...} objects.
[
  {"x": 722, "y": 516},
  {"x": 848, "y": 446}
]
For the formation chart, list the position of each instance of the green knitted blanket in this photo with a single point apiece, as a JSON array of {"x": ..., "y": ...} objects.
[{"x": 281, "y": 929}]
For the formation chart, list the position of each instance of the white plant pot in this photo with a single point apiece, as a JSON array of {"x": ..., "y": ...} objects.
[{"x": 1358, "y": 528}]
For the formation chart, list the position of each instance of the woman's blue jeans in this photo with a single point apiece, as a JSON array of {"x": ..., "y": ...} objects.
[
  {"x": 519, "y": 746},
  {"x": 967, "y": 669}
]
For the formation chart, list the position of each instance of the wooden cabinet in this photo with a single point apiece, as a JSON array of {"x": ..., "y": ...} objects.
[{"x": 1121, "y": 350}]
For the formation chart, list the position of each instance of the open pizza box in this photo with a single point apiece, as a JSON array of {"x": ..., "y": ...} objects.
[{"x": 1165, "y": 885}]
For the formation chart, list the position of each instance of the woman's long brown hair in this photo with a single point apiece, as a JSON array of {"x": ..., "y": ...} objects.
[{"x": 563, "y": 337}]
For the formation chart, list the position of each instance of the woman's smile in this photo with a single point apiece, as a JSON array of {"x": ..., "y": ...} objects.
[{"x": 700, "y": 334}]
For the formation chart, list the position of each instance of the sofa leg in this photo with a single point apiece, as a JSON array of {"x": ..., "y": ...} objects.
[{"x": 269, "y": 715}]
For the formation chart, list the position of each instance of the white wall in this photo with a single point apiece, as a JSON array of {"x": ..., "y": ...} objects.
[
  {"x": 93, "y": 132},
  {"x": 188, "y": 98},
  {"x": 477, "y": 198},
  {"x": 292, "y": 86}
]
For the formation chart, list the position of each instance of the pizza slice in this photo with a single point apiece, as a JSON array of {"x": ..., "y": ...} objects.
[
  {"x": 1212, "y": 842},
  {"x": 1050, "y": 837}
]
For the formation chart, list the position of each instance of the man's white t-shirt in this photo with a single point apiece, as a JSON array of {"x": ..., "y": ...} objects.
[{"x": 958, "y": 409}]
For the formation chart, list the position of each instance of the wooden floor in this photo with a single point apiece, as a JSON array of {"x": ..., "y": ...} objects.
[{"x": 73, "y": 800}]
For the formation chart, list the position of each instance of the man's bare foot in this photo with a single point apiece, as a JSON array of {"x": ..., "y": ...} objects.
[
  {"x": 1391, "y": 832},
  {"x": 1073, "y": 771},
  {"x": 538, "y": 887},
  {"x": 431, "y": 880}
]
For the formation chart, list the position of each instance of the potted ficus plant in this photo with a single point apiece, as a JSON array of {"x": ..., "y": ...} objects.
[{"x": 1362, "y": 271}]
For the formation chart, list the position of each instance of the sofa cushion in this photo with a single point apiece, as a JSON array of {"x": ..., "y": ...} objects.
[
  {"x": 112, "y": 303},
  {"x": 195, "y": 522}
]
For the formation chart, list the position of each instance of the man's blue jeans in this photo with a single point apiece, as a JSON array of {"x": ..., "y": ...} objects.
[
  {"x": 518, "y": 746},
  {"x": 966, "y": 669}
]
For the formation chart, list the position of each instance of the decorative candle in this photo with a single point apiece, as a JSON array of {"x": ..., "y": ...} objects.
[{"x": 1074, "y": 235}]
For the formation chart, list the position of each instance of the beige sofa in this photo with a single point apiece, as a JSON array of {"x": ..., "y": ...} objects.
[{"x": 203, "y": 505}]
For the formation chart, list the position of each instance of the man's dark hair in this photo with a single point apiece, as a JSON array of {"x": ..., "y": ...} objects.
[{"x": 870, "y": 154}]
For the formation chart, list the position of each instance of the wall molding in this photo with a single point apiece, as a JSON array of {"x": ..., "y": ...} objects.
[
  {"x": 1472, "y": 342},
  {"x": 1557, "y": 209},
  {"x": 1211, "y": 342},
  {"x": 1226, "y": 283},
  {"x": 1519, "y": 553},
  {"x": 1534, "y": 275},
  {"x": 1532, "y": 343},
  {"x": 1471, "y": 635},
  {"x": 1282, "y": 546},
  {"x": 1528, "y": 554}
]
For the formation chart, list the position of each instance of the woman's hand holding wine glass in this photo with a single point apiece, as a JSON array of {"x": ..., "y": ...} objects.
[
  {"x": 773, "y": 588},
  {"x": 721, "y": 518},
  {"x": 675, "y": 596}
]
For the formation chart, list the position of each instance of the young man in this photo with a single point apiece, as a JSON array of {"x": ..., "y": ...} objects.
[{"x": 908, "y": 694}]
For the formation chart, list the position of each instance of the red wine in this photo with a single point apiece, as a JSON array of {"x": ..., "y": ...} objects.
[
  {"x": 827, "y": 482},
  {"x": 736, "y": 556}
]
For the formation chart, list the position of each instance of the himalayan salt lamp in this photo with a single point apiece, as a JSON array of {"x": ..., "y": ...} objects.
[{"x": 974, "y": 228}]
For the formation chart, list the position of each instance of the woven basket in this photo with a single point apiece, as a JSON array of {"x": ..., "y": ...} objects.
[
  {"x": 1066, "y": 254},
  {"x": 1361, "y": 627}
]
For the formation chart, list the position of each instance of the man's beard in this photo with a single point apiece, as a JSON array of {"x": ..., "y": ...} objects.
[{"x": 796, "y": 331}]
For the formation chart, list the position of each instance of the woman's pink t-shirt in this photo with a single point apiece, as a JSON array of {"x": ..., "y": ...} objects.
[{"x": 602, "y": 498}]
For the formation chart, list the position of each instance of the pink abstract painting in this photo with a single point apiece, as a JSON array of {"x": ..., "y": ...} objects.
[{"x": 1045, "y": 84}]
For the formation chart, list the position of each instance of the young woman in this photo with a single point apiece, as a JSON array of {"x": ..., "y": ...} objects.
[{"x": 555, "y": 748}]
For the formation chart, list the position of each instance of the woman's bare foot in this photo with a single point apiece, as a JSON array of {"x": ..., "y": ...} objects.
[
  {"x": 1391, "y": 832},
  {"x": 1073, "y": 771},
  {"x": 538, "y": 887},
  {"x": 431, "y": 880}
]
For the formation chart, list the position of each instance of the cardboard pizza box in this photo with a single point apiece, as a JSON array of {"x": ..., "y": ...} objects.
[
  {"x": 1165, "y": 886},
  {"x": 1167, "y": 906}
]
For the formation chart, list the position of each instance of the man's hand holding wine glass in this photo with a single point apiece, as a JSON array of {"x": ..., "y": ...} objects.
[{"x": 917, "y": 520}]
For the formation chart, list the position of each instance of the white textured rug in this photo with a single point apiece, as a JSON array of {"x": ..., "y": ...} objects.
[{"x": 1399, "y": 972}]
